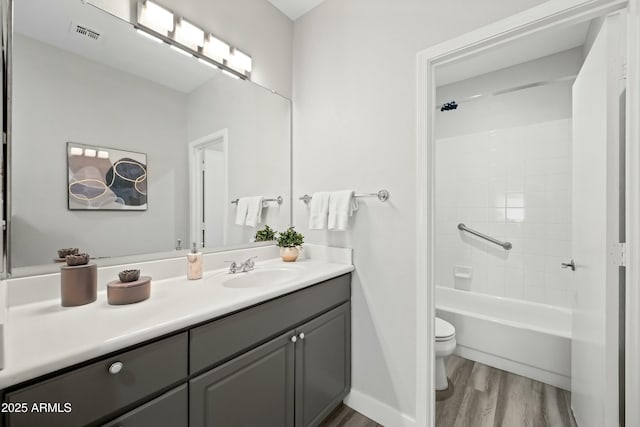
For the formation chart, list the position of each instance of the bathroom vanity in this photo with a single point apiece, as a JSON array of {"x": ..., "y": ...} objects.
[{"x": 235, "y": 352}]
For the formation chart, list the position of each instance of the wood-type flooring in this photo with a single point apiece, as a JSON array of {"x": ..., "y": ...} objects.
[{"x": 483, "y": 396}]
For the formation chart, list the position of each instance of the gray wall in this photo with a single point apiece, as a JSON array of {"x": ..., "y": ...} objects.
[
  {"x": 354, "y": 127},
  {"x": 61, "y": 97}
]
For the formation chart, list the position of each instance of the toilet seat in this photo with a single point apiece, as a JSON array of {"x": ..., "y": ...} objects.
[{"x": 444, "y": 330}]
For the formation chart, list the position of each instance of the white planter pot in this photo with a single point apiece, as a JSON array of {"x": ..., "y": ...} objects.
[{"x": 289, "y": 254}]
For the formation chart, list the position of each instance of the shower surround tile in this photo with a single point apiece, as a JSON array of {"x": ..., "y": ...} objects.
[{"x": 513, "y": 184}]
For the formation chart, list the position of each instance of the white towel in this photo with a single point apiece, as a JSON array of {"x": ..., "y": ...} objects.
[
  {"x": 318, "y": 210},
  {"x": 254, "y": 210},
  {"x": 241, "y": 210},
  {"x": 342, "y": 205}
]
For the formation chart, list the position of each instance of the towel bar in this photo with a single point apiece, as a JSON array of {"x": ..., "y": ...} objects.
[
  {"x": 278, "y": 199},
  {"x": 382, "y": 195}
]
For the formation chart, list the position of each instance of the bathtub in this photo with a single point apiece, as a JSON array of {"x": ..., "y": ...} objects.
[{"x": 528, "y": 339}]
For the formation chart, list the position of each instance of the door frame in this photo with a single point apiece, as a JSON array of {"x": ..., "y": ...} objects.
[
  {"x": 554, "y": 13},
  {"x": 221, "y": 136}
]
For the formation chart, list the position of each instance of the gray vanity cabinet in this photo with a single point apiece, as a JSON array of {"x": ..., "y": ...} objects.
[
  {"x": 285, "y": 362},
  {"x": 255, "y": 389},
  {"x": 296, "y": 379}
]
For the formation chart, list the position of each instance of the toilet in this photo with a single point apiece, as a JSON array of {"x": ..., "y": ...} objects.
[{"x": 445, "y": 345}]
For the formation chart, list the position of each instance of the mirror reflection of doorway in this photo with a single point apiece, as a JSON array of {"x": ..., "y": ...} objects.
[{"x": 209, "y": 190}]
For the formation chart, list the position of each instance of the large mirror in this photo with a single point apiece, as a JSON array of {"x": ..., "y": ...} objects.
[{"x": 122, "y": 146}]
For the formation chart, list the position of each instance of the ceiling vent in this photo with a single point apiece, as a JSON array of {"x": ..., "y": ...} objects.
[{"x": 84, "y": 32}]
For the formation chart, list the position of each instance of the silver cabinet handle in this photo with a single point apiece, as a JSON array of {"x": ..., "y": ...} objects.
[
  {"x": 571, "y": 265},
  {"x": 301, "y": 335},
  {"x": 294, "y": 338},
  {"x": 115, "y": 368}
]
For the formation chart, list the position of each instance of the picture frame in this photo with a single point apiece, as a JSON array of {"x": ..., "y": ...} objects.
[{"x": 105, "y": 179}]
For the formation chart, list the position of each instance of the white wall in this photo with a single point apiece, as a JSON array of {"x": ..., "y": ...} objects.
[
  {"x": 504, "y": 168},
  {"x": 61, "y": 97},
  {"x": 519, "y": 108},
  {"x": 354, "y": 127},
  {"x": 258, "y": 126}
]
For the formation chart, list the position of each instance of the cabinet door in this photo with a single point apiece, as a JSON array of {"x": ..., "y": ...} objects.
[
  {"x": 255, "y": 389},
  {"x": 323, "y": 365}
]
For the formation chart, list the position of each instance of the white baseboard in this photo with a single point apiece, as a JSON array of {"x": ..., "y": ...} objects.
[
  {"x": 377, "y": 411},
  {"x": 551, "y": 378}
]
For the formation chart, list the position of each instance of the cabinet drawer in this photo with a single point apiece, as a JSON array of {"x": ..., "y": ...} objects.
[
  {"x": 94, "y": 392},
  {"x": 222, "y": 339},
  {"x": 168, "y": 410}
]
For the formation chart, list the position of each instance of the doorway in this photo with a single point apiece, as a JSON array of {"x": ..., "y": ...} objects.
[
  {"x": 476, "y": 50},
  {"x": 208, "y": 190}
]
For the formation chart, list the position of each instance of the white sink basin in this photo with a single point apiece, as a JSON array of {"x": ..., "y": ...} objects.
[{"x": 261, "y": 277}]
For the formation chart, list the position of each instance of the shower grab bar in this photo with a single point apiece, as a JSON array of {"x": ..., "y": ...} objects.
[{"x": 506, "y": 245}]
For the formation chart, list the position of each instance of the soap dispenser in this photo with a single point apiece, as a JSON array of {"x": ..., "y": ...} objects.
[{"x": 194, "y": 264}]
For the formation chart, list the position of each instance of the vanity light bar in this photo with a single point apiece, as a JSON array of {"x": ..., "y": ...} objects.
[
  {"x": 180, "y": 50},
  {"x": 240, "y": 61},
  {"x": 156, "y": 17},
  {"x": 189, "y": 35},
  {"x": 216, "y": 49},
  {"x": 149, "y": 36},
  {"x": 227, "y": 73},
  {"x": 187, "y": 38},
  {"x": 208, "y": 64}
]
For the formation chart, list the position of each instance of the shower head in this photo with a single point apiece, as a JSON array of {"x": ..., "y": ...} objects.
[{"x": 449, "y": 106}]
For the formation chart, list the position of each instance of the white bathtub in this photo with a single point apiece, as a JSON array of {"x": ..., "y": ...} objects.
[{"x": 528, "y": 339}]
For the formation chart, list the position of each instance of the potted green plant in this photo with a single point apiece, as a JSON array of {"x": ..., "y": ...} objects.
[
  {"x": 266, "y": 234},
  {"x": 290, "y": 242}
]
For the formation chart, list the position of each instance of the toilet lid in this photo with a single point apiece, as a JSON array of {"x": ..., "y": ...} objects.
[{"x": 444, "y": 330}]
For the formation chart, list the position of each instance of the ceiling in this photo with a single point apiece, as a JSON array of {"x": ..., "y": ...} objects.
[
  {"x": 294, "y": 9},
  {"x": 526, "y": 48}
]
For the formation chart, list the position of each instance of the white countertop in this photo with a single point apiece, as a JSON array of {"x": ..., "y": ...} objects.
[{"x": 43, "y": 336}]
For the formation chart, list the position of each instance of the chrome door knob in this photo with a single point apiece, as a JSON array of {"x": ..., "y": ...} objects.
[
  {"x": 294, "y": 338},
  {"x": 571, "y": 265},
  {"x": 115, "y": 368},
  {"x": 301, "y": 335}
]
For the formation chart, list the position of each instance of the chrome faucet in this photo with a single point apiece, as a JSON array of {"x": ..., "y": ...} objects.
[
  {"x": 248, "y": 265},
  {"x": 243, "y": 267},
  {"x": 233, "y": 268}
]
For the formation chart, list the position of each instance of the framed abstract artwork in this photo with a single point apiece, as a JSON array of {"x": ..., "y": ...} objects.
[{"x": 101, "y": 178}]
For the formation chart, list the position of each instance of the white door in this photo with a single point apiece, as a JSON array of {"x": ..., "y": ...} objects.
[
  {"x": 209, "y": 203},
  {"x": 595, "y": 219},
  {"x": 213, "y": 195}
]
